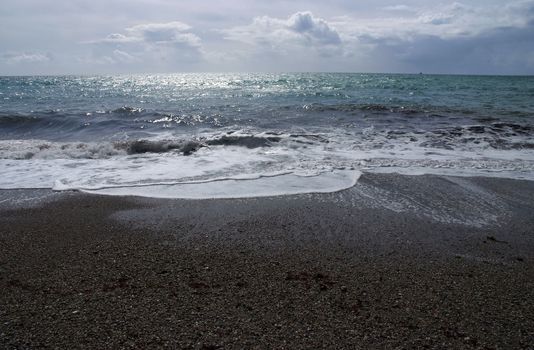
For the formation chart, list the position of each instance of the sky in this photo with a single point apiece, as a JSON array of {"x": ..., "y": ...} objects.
[{"x": 164, "y": 36}]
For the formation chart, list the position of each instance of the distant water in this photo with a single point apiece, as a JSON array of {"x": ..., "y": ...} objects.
[{"x": 234, "y": 135}]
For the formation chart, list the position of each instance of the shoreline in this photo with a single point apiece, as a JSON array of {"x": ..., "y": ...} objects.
[{"x": 394, "y": 261}]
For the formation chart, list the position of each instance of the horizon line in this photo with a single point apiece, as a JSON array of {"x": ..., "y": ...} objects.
[{"x": 264, "y": 72}]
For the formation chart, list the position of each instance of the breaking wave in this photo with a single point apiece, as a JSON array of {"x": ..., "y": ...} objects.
[
  {"x": 499, "y": 136},
  {"x": 41, "y": 149}
]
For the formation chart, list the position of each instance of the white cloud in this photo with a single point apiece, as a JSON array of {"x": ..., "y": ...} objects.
[
  {"x": 154, "y": 33},
  {"x": 172, "y": 32},
  {"x": 159, "y": 27},
  {"x": 397, "y": 8},
  {"x": 314, "y": 29},
  {"x": 446, "y": 21},
  {"x": 117, "y": 38},
  {"x": 124, "y": 57},
  {"x": 16, "y": 58},
  {"x": 114, "y": 57},
  {"x": 157, "y": 44},
  {"x": 301, "y": 28}
]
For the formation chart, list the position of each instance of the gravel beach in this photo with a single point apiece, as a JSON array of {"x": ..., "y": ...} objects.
[{"x": 393, "y": 262}]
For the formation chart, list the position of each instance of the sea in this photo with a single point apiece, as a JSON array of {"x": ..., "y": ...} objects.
[{"x": 238, "y": 135}]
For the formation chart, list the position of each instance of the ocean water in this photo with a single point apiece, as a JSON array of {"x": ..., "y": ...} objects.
[{"x": 241, "y": 135}]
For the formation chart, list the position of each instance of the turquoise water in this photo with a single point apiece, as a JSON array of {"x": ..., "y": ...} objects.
[
  {"x": 222, "y": 126},
  {"x": 53, "y": 107}
]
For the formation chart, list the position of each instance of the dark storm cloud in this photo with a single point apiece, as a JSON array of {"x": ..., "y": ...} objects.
[{"x": 507, "y": 50}]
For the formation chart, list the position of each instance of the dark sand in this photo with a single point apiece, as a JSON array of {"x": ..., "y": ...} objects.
[{"x": 394, "y": 262}]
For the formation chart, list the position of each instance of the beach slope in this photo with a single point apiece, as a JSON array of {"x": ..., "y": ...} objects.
[{"x": 393, "y": 262}]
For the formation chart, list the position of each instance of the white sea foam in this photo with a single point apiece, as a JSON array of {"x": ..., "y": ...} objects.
[
  {"x": 41, "y": 149},
  {"x": 260, "y": 186},
  {"x": 211, "y": 172},
  {"x": 242, "y": 165}
]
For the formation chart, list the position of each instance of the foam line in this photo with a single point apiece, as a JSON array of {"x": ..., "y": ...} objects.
[{"x": 287, "y": 184}]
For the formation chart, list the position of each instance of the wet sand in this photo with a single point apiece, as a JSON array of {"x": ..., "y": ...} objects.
[{"x": 394, "y": 262}]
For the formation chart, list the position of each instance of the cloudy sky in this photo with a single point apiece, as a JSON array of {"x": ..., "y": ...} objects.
[{"x": 158, "y": 36}]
